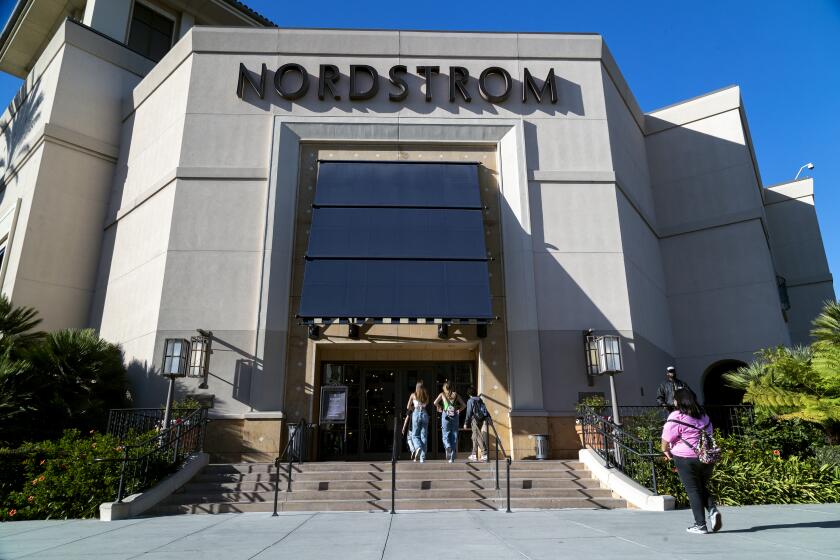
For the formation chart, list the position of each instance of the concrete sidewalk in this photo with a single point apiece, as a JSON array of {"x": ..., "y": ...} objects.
[{"x": 765, "y": 532}]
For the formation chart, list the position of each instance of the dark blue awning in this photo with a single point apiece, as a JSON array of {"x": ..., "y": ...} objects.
[{"x": 396, "y": 241}]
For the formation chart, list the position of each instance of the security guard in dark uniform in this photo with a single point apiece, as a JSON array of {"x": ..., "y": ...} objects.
[{"x": 665, "y": 393}]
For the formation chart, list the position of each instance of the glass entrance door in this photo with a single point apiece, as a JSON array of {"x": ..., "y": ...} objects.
[
  {"x": 379, "y": 387},
  {"x": 375, "y": 392}
]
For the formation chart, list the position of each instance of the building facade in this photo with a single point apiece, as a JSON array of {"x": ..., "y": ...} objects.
[{"x": 162, "y": 171}]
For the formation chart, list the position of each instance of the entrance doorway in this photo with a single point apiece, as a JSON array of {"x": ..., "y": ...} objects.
[{"x": 375, "y": 392}]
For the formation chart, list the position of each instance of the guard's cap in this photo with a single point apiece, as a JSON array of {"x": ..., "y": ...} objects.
[{"x": 671, "y": 369}]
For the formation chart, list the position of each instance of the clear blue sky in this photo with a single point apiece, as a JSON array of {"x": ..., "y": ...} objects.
[{"x": 784, "y": 54}]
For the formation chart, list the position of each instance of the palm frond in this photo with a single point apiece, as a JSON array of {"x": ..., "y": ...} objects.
[{"x": 827, "y": 324}]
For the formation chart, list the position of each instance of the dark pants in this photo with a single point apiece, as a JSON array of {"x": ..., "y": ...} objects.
[{"x": 695, "y": 476}]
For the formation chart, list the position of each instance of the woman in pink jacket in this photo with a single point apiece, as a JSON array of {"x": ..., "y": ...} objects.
[{"x": 680, "y": 437}]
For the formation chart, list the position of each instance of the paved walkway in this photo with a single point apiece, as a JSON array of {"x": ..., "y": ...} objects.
[{"x": 765, "y": 532}]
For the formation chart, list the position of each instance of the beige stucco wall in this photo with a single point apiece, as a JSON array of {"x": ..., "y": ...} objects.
[{"x": 58, "y": 151}]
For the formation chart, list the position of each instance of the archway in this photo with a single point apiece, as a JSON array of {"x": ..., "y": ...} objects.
[
  {"x": 715, "y": 391},
  {"x": 721, "y": 400}
]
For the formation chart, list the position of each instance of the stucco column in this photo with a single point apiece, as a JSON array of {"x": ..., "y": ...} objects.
[{"x": 109, "y": 17}]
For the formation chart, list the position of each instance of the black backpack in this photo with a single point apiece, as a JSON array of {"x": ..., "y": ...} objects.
[{"x": 479, "y": 410}]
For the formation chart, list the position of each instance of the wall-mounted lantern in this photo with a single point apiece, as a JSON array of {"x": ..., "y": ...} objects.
[
  {"x": 590, "y": 349},
  {"x": 200, "y": 350}
]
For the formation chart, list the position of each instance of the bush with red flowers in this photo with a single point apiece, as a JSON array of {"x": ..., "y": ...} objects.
[{"x": 62, "y": 479}]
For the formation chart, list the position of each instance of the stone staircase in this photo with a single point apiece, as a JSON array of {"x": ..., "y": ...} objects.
[{"x": 366, "y": 486}]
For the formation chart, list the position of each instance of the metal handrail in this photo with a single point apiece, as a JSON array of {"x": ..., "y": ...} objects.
[
  {"x": 123, "y": 421},
  {"x": 296, "y": 438},
  {"x": 186, "y": 434},
  {"x": 500, "y": 446},
  {"x": 395, "y": 456},
  {"x": 618, "y": 448},
  {"x": 730, "y": 419}
]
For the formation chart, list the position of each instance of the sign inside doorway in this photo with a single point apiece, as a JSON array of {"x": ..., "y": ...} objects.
[{"x": 334, "y": 404}]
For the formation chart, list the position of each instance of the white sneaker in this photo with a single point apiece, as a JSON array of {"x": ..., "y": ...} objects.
[
  {"x": 716, "y": 519},
  {"x": 472, "y": 458},
  {"x": 698, "y": 529},
  {"x": 422, "y": 459}
]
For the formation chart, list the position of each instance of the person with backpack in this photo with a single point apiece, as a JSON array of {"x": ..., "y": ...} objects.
[
  {"x": 449, "y": 404},
  {"x": 477, "y": 415},
  {"x": 687, "y": 440}
]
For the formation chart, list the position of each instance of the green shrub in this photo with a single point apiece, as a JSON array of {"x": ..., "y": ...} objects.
[
  {"x": 792, "y": 437},
  {"x": 828, "y": 455},
  {"x": 750, "y": 473},
  {"x": 61, "y": 479},
  {"x": 65, "y": 379}
]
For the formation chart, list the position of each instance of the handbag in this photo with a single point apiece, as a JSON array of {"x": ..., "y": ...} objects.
[{"x": 449, "y": 408}]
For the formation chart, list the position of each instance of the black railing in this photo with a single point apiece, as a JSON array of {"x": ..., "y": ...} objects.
[
  {"x": 501, "y": 448},
  {"x": 295, "y": 450},
  {"x": 729, "y": 419},
  {"x": 632, "y": 446},
  {"x": 631, "y": 455},
  {"x": 145, "y": 462},
  {"x": 395, "y": 456},
  {"x": 124, "y": 421}
]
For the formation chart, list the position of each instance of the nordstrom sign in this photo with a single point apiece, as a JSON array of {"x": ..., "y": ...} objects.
[{"x": 291, "y": 81}]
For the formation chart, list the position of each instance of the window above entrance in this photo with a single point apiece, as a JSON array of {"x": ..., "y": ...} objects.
[{"x": 396, "y": 241}]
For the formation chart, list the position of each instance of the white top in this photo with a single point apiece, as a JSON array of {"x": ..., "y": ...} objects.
[{"x": 418, "y": 405}]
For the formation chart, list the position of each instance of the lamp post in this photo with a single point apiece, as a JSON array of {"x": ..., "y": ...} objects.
[
  {"x": 175, "y": 352},
  {"x": 808, "y": 165},
  {"x": 603, "y": 356},
  {"x": 609, "y": 362}
]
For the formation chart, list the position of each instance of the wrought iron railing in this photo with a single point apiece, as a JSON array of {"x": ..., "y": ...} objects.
[
  {"x": 146, "y": 461},
  {"x": 295, "y": 450},
  {"x": 124, "y": 421},
  {"x": 632, "y": 446},
  {"x": 729, "y": 419},
  {"x": 396, "y": 446},
  {"x": 500, "y": 450},
  {"x": 631, "y": 455}
]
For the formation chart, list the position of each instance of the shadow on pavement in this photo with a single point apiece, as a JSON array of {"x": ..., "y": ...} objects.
[{"x": 835, "y": 524}]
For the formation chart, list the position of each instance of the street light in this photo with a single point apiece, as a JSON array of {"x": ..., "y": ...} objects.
[
  {"x": 809, "y": 165},
  {"x": 175, "y": 352}
]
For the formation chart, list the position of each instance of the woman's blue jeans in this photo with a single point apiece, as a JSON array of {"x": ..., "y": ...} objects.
[
  {"x": 449, "y": 429},
  {"x": 420, "y": 430}
]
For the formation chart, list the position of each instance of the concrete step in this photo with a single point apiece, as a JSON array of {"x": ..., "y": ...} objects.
[
  {"x": 431, "y": 472},
  {"x": 401, "y": 505},
  {"x": 356, "y": 466},
  {"x": 438, "y": 494},
  {"x": 366, "y": 486},
  {"x": 298, "y": 485}
]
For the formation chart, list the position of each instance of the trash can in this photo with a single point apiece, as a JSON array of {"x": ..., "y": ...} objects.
[{"x": 541, "y": 441}]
